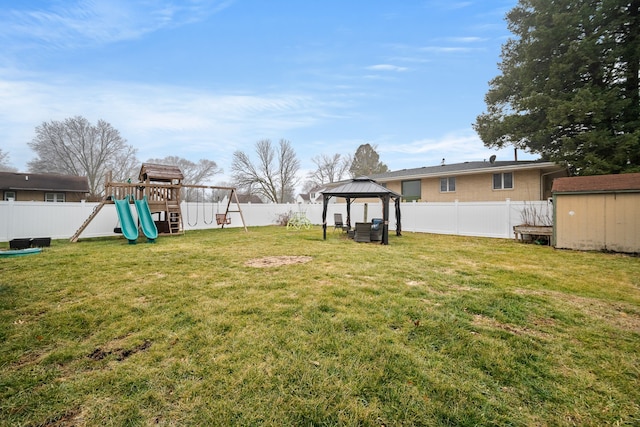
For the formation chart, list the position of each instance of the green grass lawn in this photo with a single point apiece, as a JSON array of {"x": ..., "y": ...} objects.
[{"x": 202, "y": 329}]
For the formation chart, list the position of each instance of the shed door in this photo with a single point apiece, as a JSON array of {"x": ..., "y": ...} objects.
[
  {"x": 598, "y": 222},
  {"x": 580, "y": 221},
  {"x": 622, "y": 226}
]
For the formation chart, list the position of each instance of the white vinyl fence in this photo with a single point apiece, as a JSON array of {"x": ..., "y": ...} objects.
[{"x": 61, "y": 220}]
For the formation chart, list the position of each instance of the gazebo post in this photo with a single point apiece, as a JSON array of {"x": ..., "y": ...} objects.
[
  {"x": 398, "y": 221},
  {"x": 385, "y": 220},
  {"x": 325, "y": 203}
]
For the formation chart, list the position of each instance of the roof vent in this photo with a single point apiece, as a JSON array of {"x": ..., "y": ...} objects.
[
  {"x": 442, "y": 163},
  {"x": 492, "y": 159}
]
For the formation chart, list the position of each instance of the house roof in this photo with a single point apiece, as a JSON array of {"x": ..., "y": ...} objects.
[
  {"x": 43, "y": 182},
  {"x": 466, "y": 168},
  {"x": 597, "y": 183},
  {"x": 360, "y": 187},
  {"x": 248, "y": 198},
  {"x": 162, "y": 173}
]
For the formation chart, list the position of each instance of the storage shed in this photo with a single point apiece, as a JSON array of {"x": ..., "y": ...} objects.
[{"x": 600, "y": 212}]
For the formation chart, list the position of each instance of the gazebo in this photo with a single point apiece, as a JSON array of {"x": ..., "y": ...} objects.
[{"x": 364, "y": 188}]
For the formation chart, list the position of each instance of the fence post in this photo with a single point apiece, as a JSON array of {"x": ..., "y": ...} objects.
[
  {"x": 508, "y": 207},
  {"x": 10, "y": 223}
]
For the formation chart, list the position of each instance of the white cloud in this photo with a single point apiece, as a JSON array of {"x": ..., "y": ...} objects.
[
  {"x": 87, "y": 22},
  {"x": 444, "y": 49},
  {"x": 157, "y": 120},
  {"x": 454, "y": 147},
  {"x": 471, "y": 39},
  {"x": 387, "y": 67}
]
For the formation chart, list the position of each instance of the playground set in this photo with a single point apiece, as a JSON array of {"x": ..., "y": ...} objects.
[{"x": 157, "y": 194}]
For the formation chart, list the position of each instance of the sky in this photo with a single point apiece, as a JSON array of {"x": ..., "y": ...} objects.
[{"x": 200, "y": 79}]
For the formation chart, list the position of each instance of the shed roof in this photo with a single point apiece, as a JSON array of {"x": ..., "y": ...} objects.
[
  {"x": 43, "y": 182},
  {"x": 156, "y": 172},
  {"x": 360, "y": 187},
  {"x": 597, "y": 183}
]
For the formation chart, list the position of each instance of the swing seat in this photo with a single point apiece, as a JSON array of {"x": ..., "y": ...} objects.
[{"x": 222, "y": 219}]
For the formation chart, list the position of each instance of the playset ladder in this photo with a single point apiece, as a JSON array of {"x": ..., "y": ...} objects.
[
  {"x": 84, "y": 225},
  {"x": 174, "y": 217}
]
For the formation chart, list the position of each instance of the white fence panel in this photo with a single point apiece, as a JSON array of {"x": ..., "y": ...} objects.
[
  {"x": 483, "y": 219},
  {"x": 437, "y": 218},
  {"x": 55, "y": 220},
  {"x": 61, "y": 220}
]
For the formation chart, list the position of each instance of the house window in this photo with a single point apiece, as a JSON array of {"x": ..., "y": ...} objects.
[
  {"x": 503, "y": 181},
  {"x": 411, "y": 190},
  {"x": 54, "y": 197},
  {"x": 9, "y": 195},
  {"x": 448, "y": 185}
]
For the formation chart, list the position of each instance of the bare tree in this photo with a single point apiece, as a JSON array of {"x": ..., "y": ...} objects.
[
  {"x": 275, "y": 174},
  {"x": 194, "y": 173},
  {"x": 4, "y": 162},
  {"x": 329, "y": 169},
  {"x": 76, "y": 147}
]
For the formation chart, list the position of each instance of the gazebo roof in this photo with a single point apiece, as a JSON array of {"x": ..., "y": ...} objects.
[{"x": 360, "y": 187}]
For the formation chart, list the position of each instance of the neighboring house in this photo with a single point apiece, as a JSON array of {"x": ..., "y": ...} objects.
[
  {"x": 600, "y": 212},
  {"x": 303, "y": 198},
  {"x": 43, "y": 187},
  {"x": 249, "y": 198},
  {"x": 314, "y": 196},
  {"x": 474, "y": 181}
]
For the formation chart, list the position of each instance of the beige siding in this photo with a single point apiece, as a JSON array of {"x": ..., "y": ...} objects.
[
  {"x": 598, "y": 222},
  {"x": 28, "y": 196},
  {"x": 38, "y": 196},
  {"x": 478, "y": 187}
]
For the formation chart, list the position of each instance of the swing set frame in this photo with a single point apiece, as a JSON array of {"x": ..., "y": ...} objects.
[{"x": 222, "y": 219}]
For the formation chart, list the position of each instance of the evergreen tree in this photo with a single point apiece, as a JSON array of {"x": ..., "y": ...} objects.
[
  {"x": 366, "y": 162},
  {"x": 569, "y": 88}
]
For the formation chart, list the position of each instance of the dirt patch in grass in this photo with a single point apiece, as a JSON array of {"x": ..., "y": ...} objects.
[
  {"x": 617, "y": 314},
  {"x": 277, "y": 261},
  {"x": 72, "y": 417},
  {"x": 483, "y": 321},
  {"x": 120, "y": 353}
]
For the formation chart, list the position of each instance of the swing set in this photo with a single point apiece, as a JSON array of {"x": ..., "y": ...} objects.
[
  {"x": 161, "y": 186},
  {"x": 221, "y": 218}
]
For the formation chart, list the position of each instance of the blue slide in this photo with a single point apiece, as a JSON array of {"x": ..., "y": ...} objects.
[
  {"x": 129, "y": 226},
  {"x": 146, "y": 221}
]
